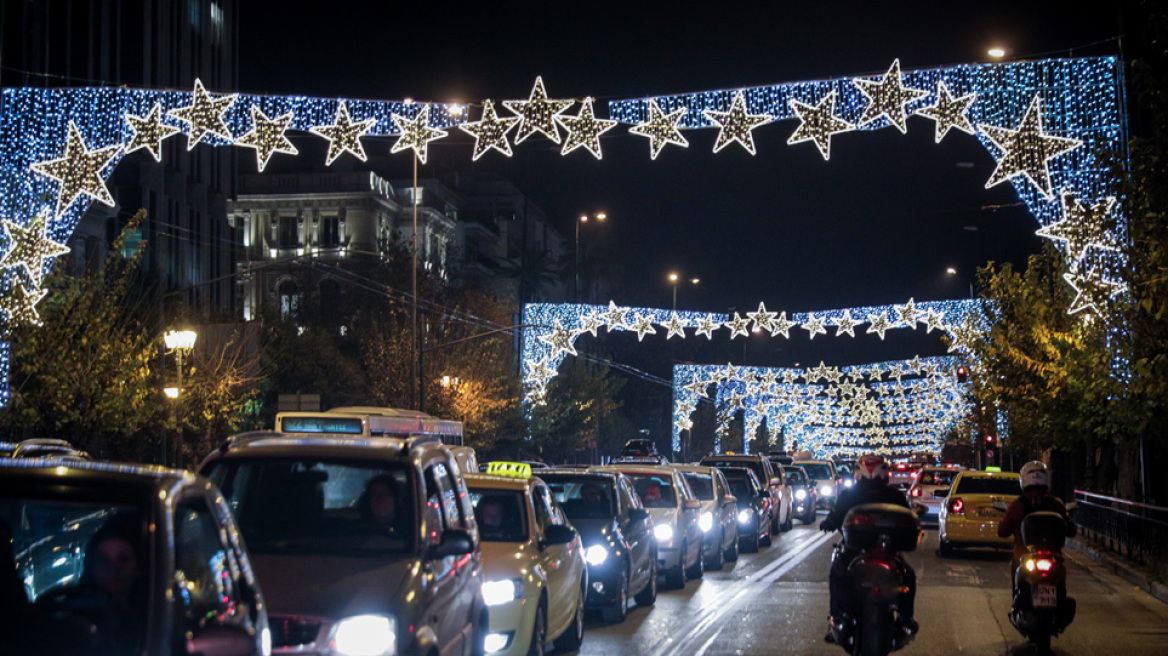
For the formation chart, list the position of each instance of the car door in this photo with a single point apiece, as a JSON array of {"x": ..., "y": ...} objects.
[
  {"x": 451, "y": 599},
  {"x": 559, "y": 561},
  {"x": 638, "y": 535},
  {"x": 688, "y": 517},
  {"x": 727, "y": 512}
]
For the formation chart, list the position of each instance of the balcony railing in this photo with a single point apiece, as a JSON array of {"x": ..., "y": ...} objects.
[{"x": 1135, "y": 530}]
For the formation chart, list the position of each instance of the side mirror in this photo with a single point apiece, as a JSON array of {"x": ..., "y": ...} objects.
[
  {"x": 693, "y": 504},
  {"x": 454, "y": 542},
  {"x": 221, "y": 641},
  {"x": 777, "y": 482},
  {"x": 559, "y": 534},
  {"x": 940, "y": 493},
  {"x": 729, "y": 500},
  {"x": 638, "y": 515}
]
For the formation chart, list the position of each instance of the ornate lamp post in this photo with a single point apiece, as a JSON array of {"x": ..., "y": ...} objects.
[{"x": 179, "y": 342}]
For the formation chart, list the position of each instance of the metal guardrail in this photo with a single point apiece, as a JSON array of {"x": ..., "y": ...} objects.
[{"x": 1135, "y": 530}]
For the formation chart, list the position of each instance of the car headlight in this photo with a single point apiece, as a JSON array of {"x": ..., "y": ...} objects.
[
  {"x": 663, "y": 532},
  {"x": 365, "y": 635},
  {"x": 706, "y": 522},
  {"x": 744, "y": 516},
  {"x": 500, "y": 592},
  {"x": 826, "y": 491},
  {"x": 596, "y": 554},
  {"x": 800, "y": 494},
  {"x": 848, "y": 482}
]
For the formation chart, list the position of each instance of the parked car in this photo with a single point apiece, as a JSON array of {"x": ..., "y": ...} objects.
[
  {"x": 973, "y": 509},
  {"x": 754, "y": 508},
  {"x": 806, "y": 496},
  {"x": 771, "y": 480},
  {"x": 45, "y": 447},
  {"x": 719, "y": 514},
  {"x": 928, "y": 493},
  {"x": 64, "y": 523}
]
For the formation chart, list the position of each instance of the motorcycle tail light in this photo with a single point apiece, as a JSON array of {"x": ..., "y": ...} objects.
[
  {"x": 956, "y": 506},
  {"x": 916, "y": 492},
  {"x": 860, "y": 519},
  {"x": 1043, "y": 564}
]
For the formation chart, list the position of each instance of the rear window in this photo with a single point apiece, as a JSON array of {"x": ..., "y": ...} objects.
[
  {"x": 1004, "y": 486},
  {"x": 655, "y": 491},
  {"x": 928, "y": 477},
  {"x": 795, "y": 475},
  {"x": 582, "y": 497},
  {"x": 742, "y": 487}
]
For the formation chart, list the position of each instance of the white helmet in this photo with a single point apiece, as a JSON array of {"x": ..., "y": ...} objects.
[
  {"x": 873, "y": 468},
  {"x": 1035, "y": 474}
]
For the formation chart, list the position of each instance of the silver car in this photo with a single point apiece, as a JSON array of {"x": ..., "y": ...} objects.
[
  {"x": 923, "y": 495},
  {"x": 719, "y": 514}
]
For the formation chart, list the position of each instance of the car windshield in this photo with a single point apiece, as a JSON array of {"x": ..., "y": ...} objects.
[
  {"x": 701, "y": 484},
  {"x": 980, "y": 485},
  {"x": 320, "y": 506},
  {"x": 582, "y": 497},
  {"x": 656, "y": 491},
  {"x": 501, "y": 514},
  {"x": 742, "y": 487},
  {"x": 795, "y": 476},
  {"x": 932, "y": 477},
  {"x": 818, "y": 472}
]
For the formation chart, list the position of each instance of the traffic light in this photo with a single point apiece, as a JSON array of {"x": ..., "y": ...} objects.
[
  {"x": 962, "y": 373},
  {"x": 989, "y": 441}
]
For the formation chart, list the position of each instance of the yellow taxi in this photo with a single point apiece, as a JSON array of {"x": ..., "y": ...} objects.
[
  {"x": 973, "y": 508},
  {"x": 535, "y": 580}
]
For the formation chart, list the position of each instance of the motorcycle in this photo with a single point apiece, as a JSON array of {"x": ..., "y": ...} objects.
[
  {"x": 874, "y": 536},
  {"x": 1041, "y": 608}
]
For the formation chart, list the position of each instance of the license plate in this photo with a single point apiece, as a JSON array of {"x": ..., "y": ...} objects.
[
  {"x": 1044, "y": 595},
  {"x": 989, "y": 512}
]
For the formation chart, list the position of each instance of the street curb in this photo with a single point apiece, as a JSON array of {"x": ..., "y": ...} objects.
[{"x": 1116, "y": 564}]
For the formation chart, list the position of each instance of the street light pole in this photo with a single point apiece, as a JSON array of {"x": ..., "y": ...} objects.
[
  {"x": 179, "y": 342},
  {"x": 599, "y": 216}
]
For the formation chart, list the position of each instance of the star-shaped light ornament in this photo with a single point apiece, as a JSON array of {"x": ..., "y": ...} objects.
[
  {"x": 490, "y": 131},
  {"x": 538, "y": 372},
  {"x": 816, "y": 374},
  {"x": 949, "y": 112},
  {"x": 699, "y": 387},
  {"x": 149, "y": 132},
  {"x": 878, "y": 324},
  {"x": 676, "y": 327},
  {"x": 29, "y": 247},
  {"x": 205, "y": 115},
  {"x": 267, "y": 136},
  {"x": 846, "y": 324},
  {"x": 18, "y": 306},
  {"x": 782, "y": 325},
  {"x": 961, "y": 336},
  {"x": 416, "y": 133},
  {"x": 1027, "y": 150},
  {"x": 815, "y": 326},
  {"x": 79, "y": 171},
  {"x": 344, "y": 136},
  {"x": 738, "y": 326},
  {"x": 736, "y": 124},
  {"x": 1083, "y": 225},
  {"x": 818, "y": 124},
  {"x": 661, "y": 128},
  {"x": 908, "y": 314},
  {"x": 560, "y": 340},
  {"x": 590, "y": 323},
  {"x": 1092, "y": 290},
  {"x": 644, "y": 326},
  {"x": 537, "y": 113},
  {"x": 762, "y": 319},
  {"x": 584, "y": 130},
  {"x": 707, "y": 326},
  {"x": 888, "y": 98},
  {"x": 934, "y": 319},
  {"x": 614, "y": 319},
  {"x": 683, "y": 423}
]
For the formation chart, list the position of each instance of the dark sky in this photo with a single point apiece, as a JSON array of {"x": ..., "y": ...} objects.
[{"x": 876, "y": 224}]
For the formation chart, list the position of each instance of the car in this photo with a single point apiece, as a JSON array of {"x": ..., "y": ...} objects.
[
  {"x": 780, "y": 457},
  {"x": 719, "y": 514},
  {"x": 969, "y": 516},
  {"x": 64, "y": 525},
  {"x": 770, "y": 479},
  {"x": 903, "y": 474},
  {"x": 45, "y": 447},
  {"x": 754, "y": 508},
  {"x": 826, "y": 482},
  {"x": 805, "y": 494},
  {"x": 6, "y": 449},
  {"x": 465, "y": 457},
  {"x": 845, "y": 473},
  {"x": 923, "y": 495},
  {"x": 617, "y": 533},
  {"x": 535, "y": 581},
  {"x": 639, "y": 447},
  {"x": 365, "y": 544},
  {"x": 675, "y": 511}
]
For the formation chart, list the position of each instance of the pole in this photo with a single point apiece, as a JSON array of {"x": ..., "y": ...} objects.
[
  {"x": 675, "y": 296},
  {"x": 416, "y": 373},
  {"x": 178, "y": 404},
  {"x": 576, "y": 263}
]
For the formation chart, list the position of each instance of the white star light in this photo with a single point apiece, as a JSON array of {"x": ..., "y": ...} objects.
[
  {"x": 344, "y": 136},
  {"x": 908, "y": 314},
  {"x": 763, "y": 320},
  {"x": 537, "y": 113},
  {"x": 29, "y": 248},
  {"x": 590, "y": 323},
  {"x": 644, "y": 326},
  {"x": 560, "y": 340},
  {"x": 614, "y": 319},
  {"x": 949, "y": 112},
  {"x": 584, "y": 130},
  {"x": 782, "y": 325},
  {"x": 1092, "y": 290},
  {"x": 205, "y": 115},
  {"x": 934, "y": 319},
  {"x": 846, "y": 324},
  {"x": 661, "y": 128},
  {"x": 149, "y": 132},
  {"x": 815, "y": 326},
  {"x": 707, "y": 326},
  {"x": 676, "y": 327},
  {"x": 18, "y": 306},
  {"x": 736, "y": 124},
  {"x": 888, "y": 98},
  {"x": 267, "y": 136},
  {"x": 79, "y": 171},
  {"x": 738, "y": 326},
  {"x": 818, "y": 124},
  {"x": 1083, "y": 225},
  {"x": 1027, "y": 150},
  {"x": 879, "y": 324},
  {"x": 416, "y": 133},
  {"x": 490, "y": 132}
]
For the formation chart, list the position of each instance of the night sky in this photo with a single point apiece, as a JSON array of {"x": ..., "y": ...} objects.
[{"x": 878, "y": 223}]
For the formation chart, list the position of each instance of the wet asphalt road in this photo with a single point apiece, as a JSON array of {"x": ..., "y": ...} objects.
[{"x": 775, "y": 602}]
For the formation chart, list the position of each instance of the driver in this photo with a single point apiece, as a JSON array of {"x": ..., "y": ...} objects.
[
  {"x": 112, "y": 560},
  {"x": 652, "y": 493}
]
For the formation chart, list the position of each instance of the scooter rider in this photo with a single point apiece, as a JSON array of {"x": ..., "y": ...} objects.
[
  {"x": 871, "y": 487},
  {"x": 1035, "y": 481}
]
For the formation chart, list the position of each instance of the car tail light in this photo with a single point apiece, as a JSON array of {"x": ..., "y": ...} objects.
[
  {"x": 956, "y": 506},
  {"x": 916, "y": 492}
]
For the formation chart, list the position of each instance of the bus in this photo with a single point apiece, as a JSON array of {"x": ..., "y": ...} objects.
[{"x": 370, "y": 421}]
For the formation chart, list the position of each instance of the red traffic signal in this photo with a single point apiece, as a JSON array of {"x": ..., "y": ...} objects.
[
  {"x": 989, "y": 440},
  {"x": 962, "y": 373}
]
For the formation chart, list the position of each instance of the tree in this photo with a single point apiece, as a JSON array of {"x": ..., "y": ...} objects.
[{"x": 580, "y": 400}]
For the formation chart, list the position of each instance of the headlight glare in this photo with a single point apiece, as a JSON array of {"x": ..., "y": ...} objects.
[
  {"x": 848, "y": 482},
  {"x": 663, "y": 532},
  {"x": 365, "y": 635},
  {"x": 500, "y": 592},
  {"x": 706, "y": 522},
  {"x": 596, "y": 554},
  {"x": 800, "y": 494},
  {"x": 744, "y": 516},
  {"x": 826, "y": 491}
]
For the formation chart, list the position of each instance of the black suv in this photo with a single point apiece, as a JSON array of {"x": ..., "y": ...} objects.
[{"x": 358, "y": 541}]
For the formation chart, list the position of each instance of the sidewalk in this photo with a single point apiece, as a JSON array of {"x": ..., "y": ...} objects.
[{"x": 1137, "y": 575}]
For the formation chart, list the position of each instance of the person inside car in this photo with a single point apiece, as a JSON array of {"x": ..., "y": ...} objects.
[
  {"x": 653, "y": 494},
  {"x": 112, "y": 560},
  {"x": 591, "y": 494},
  {"x": 379, "y": 504}
]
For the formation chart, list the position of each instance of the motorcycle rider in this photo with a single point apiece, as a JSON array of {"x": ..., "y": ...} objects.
[
  {"x": 1035, "y": 481},
  {"x": 871, "y": 487}
]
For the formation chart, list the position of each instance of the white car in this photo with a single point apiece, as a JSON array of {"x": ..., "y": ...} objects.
[
  {"x": 719, "y": 514},
  {"x": 675, "y": 512},
  {"x": 535, "y": 580},
  {"x": 826, "y": 483},
  {"x": 928, "y": 492}
]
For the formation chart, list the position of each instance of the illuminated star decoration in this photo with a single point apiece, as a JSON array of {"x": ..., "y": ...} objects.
[
  {"x": 676, "y": 327},
  {"x": 661, "y": 128},
  {"x": 1091, "y": 290},
  {"x": 344, "y": 135},
  {"x": 560, "y": 340},
  {"x": 584, "y": 129},
  {"x": 590, "y": 323},
  {"x": 644, "y": 326},
  {"x": 1083, "y": 226},
  {"x": 815, "y": 326},
  {"x": 205, "y": 115},
  {"x": 736, "y": 124},
  {"x": 537, "y": 113},
  {"x": 846, "y": 324},
  {"x": 738, "y": 326},
  {"x": 490, "y": 131},
  {"x": 949, "y": 112},
  {"x": 878, "y": 324},
  {"x": 267, "y": 136},
  {"x": 149, "y": 132},
  {"x": 30, "y": 247},
  {"x": 763, "y": 320},
  {"x": 782, "y": 325},
  {"x": 615, "y": 317},
  {"x": 18, "y": 306},
  {"x": 934, "y": 319},
  {"x": 888, "y": 98},
  {"x": 79, "y": 171},
  {"x": 818, "y": 123},
  {"x": 706, "y": 326},
  {"x": 416, "y": 134},
  {"x": 1027, "y": 150},
  {"x": 908, "y": 314}
]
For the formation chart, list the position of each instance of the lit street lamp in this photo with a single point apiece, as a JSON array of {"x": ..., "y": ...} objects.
[
  {"x": 600, "y": 217},
  {"x": 179, "y": 342},
  {"x": 674, "y": 278},
  {"x": 952, "y": 271}
]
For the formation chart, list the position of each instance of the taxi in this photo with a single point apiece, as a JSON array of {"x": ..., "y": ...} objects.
[
  {"x": 973, "y": 508},
  {"x": 535, "y": 580}
]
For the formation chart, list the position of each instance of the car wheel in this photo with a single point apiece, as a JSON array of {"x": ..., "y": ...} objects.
[
  {"x": 775, "y": 525},
  {"x": 765, "y": 541},
  {"x": 648, "y": 595},
  {"x": 945, "y": 550},
  {"x": 617, "y": 612},
  {"x": 539, "y": 632},
  {"x": 731, "y": 554},
  {"x": 790, "y": 524},
  {"x": 750, "y": 542},
  {"x": 676, "y": 578},
  {"x": 574, "y": 635},
  {"x": 718, "y": 560},
  {"x": 698, "y": 568}
]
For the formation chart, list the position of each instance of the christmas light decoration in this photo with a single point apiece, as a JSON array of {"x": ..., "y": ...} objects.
[
  {"x": 762, "y": 319},
  {"x": 149, "y": 132},
  {"x": 643, "y": 325},
  {"x": 707, "y": 326},
  {"x": 818, "y": 124},
  {"x": 949, "y": 112},
  {"x": 782, "y": 325},
  {"x": 590, "y": 323},
  {"x": 736, "y": 124},
  {"x": 29, "y": 248},
  {"x": 1027, "y": 150},
  {"x": 614, "y": 319},
  {"x": 908, "y": 314},
  {"x": 738, "y": 326},
  {"x": 537, "y": 113},
  {"x": 878, "y": 323},
  {"x": 18, "y": 306},
  {"x": 1092, "y": 290},
  {"x": 267, "y": 137},
  {"x": 934, "y": 319},
  {"x": 205, "y": 115},
  {"x": 584, "y": 130},
  {"x": 416, "y": 133},
  {"x": 815, "y": 326},
  {"x": 344, "y": 136},
  {"x": 490, "y": 132},
  {"x": 79, "y": 171},
  {"x": 1083, "y": 225},
  {"x": 560, "y": 340},
  {"x": 661, "y": 129},
  {"x": 676, "y": 327},
  {"x": 888, "y": 97},
  {"x": 846, "y": 324}
]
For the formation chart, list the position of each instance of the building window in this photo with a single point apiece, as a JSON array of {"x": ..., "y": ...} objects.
[
  {"x": 289, "y": 298},
  {"x": 287, "y": 236},
  {"x": 330, "y": 232}
]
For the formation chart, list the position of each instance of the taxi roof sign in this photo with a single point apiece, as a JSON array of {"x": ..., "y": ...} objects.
[
  {"x": 994, "y": 469},
  {"x": 509, "y": 469}
]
